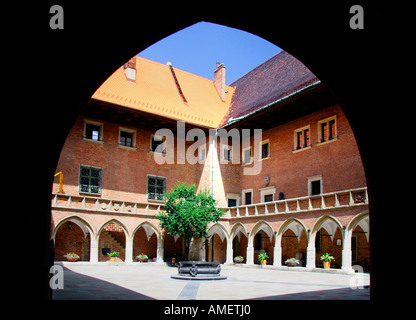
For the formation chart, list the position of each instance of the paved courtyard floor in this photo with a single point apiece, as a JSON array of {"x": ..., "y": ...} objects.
[{"x": 151, "y": 281}]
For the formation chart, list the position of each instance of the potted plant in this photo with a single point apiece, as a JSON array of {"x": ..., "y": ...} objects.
[
  {"x": 292, "y": 262},
  {"x": 263, "y": 258},
  {"x": 72, "y": 256},
  {"x": 239, "y": 259},
  {"x": 142, "y": 257},
  {"x": 113, "y": 256},
  {"x": 326, "y": 258}
]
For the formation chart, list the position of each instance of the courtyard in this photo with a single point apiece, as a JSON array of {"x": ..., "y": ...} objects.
[{"x": 152, "y": 281}]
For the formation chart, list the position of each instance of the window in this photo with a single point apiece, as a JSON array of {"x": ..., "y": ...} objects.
[
  {"x": 156, "y": 187},
  {"x": 247, "y": 156},
  {"x": 93, "y": 130},
  {"x": 226, "y": 153},
  {"x": 268, "y": 198},
  {"x": 158, "y": 144},
  {"x": 267, "y": 194},
  {"x": 202, "y": 153},
  {"x": 302, "y": 138},
  {"x": 265, "y": 149},
  {"x": 315, "y": 185},
  {"x": 127, "y": 137},
  {"x": 232, "y": 202},
  {"x": 233, "y": 199},
  {"x": 90, "y": 179},
  {"x": 327, "y": 130},
  {"x": 247, "y": 198}
]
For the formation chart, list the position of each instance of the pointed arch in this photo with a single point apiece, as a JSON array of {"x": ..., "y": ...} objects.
[
  {"x": 115, "y": 221},
  {"x": 80, "y": 222},
  {"x": 363, "y": 220},
  {"x": 238, "y": 227},
  {"x": 329, "y": 223},
  {"x": 293, "y": 224},
  {"x": 214, "y": 228},
  {"x": 262, "y": 225},
  {"x": 149, "y": 229}
]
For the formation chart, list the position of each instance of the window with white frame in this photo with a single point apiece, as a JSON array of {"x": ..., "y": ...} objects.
[
  {"x": 226, "y": 152},
  {"x": 327, "y": 129},
  {"x": 127, "y": 137},
  {"x": 247, "y": 155},
  {"x": 267, "y": 194},
  {"x": 158, "y": 144},
  {"x": 265, "y": 149},
  {"x": 301, "y": 138},
  {"x": 247, "y": 196},
  {"x": 233, "y": 200},
  {"x": 93, "y": 130},
  {"x": 315, "y": 185},
  {"x": 202, "y": 153}
]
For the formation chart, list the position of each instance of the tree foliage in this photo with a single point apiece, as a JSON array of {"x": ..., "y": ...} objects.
[{"x": 188, "y": 213}]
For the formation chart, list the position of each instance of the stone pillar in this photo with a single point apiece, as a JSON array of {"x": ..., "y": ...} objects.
[
  {"x": 94, "y": 250},
  {"x": 129, "y": 250},
  {"x": 310, "y": 256},
  {"x": 229, "y": 257},
  {"x": 250, "y": 255},
  {"x": 160, "y": 250},
  {"x": 346, "y": 252},
  {"x": 277, "y": 253}
]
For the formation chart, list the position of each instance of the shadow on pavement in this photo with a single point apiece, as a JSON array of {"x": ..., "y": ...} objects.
[
  {"x": 78, "y": 286},
  {"x": 331, "y": 294}
]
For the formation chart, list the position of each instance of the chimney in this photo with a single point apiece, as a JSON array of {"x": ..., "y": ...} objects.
[
  {"x": 219, "y": 80},
  {"x": 130, "y": 69}
]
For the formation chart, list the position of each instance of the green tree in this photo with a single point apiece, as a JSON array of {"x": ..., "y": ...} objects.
[{"x": 188, "y": 213}]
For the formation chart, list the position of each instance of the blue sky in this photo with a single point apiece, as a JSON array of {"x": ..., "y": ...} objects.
[{"x": 196, "y": 49}]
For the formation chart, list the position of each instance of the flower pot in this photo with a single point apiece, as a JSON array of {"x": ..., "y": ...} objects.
[
  {"x": 263, "y": 262},
  {"x": 112, "y": 259},
  {"x": 142, "y": 259},
  {"x": 291, "y": 263},
  {"x": 72, "y": 259},
  {"x": 327, "y": 264},
  {"x": 238, "y": 260},
  {"x": 173, "y": 259}
]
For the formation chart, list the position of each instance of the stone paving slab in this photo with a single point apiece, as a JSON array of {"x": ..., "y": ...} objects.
[{"x": 137, "y": 281}]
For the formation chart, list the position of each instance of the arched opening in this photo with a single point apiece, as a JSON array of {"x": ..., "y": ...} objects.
[
  {"x": 328, "y": 238},
  {"x": 239, "y": 237},
  {"x": 72, "y": 235},
  {"x": 145, "y": 241},
  {"x": 216, "y": 249},
  {"x": 262, "y": 240},
  {"x": 111, "y": 237},
  {"x": 174, "y": 247},
  {"x": 359, "y": 232},
  {"x": 294, "y": 241}
]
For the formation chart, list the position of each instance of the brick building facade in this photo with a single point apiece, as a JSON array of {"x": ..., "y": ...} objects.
[{"x": 309, "y": 196}]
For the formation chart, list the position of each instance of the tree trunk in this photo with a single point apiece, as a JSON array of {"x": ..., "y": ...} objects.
[{"x": 187, "y": 243}]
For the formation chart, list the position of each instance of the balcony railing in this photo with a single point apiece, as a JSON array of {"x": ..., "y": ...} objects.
[
  {"x": 93, "y": 204},
  {"x": 338, "y": 199}
]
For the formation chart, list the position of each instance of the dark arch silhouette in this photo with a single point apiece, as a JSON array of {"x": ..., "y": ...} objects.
[{"x": 68, "y": 65}]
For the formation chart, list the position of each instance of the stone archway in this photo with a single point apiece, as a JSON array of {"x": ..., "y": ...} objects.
[
  {"x": 72, "y": 234},
  {"x": 261, "y": 240},
  {"x": 239, "y": 238},
  {"x": 291, "y": 242},
  {"x": 112, "y": 236},
  {"x": 356, "y": 243},
  {"x": 326, "y": 236},
  {"x": 219, "y": 248},
  {"x": 145, "y": 240}
]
